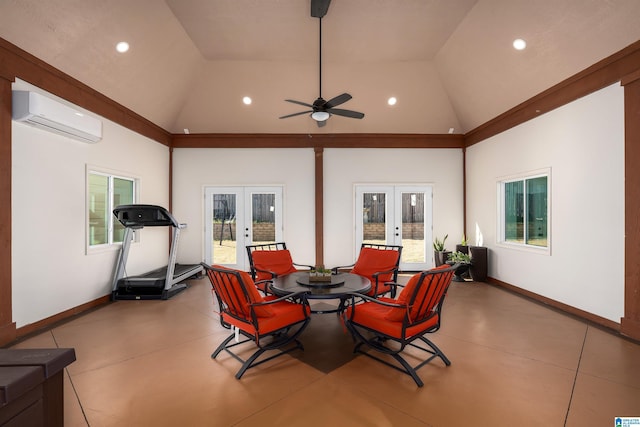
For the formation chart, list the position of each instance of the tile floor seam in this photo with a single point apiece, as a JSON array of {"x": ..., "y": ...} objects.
[
  {"x": 376, "y": 397},
  {"x": 133, "y": 357},
  {"x": 501, "y": 350},
  {"x": 73, "y": 387},
  {"x": 275, "y": 402},
  {"x": 575, "y": 378},
  {"x": 609, "y": 380}
]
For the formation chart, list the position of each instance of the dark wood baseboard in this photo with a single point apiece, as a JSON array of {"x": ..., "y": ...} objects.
[
  {"x": 7, "y": 333},
  {"x": 573, "y": 311},
  {"x": 630, "y": 328},
  {"x": 49, "y": 322}
]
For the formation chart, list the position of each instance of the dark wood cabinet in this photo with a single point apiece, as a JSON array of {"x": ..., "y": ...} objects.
[{"x": 31, "y": 386}]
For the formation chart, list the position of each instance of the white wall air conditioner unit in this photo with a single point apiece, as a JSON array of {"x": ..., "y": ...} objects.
[{"x": 37, "y": 110}]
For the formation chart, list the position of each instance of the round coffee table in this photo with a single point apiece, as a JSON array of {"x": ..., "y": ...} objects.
[{"x": 342, "y": 285}]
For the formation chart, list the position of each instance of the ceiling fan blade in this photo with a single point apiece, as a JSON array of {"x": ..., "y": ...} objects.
[
  {"x": 322, "y": 123},
  {"x": 340, "y": 99},
  {"x": 299, "y": 103},
  {"x": 296, "y": 114},
  {"x": 346, "y": 113}
]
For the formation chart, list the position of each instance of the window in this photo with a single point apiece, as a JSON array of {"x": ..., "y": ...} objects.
[
  {"x": 105, "y": 192},
  {"x": 524, "y": 207}
]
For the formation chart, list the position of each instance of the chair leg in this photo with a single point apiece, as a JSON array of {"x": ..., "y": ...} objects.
[
  {"x": 246, "y": 365},
  {"x": 408, "y": 369},
  {"x": 222, "y": 346},
  {"x": 436, "y": 351},
  {"x": 376, "y": 343},
  {"x": 282, "y": 343}
]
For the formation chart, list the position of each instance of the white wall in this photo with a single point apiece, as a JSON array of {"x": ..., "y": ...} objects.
[
  {"x": 344, "y": 168},
  {"x": 51, "y": 271},
  {"x": 194, "y": 169},
  {"x": 583, "y": 144},
  {"x": 294, "y": 169}
]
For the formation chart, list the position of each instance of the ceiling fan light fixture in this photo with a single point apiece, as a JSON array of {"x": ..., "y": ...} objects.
[{"x": 320, "y": 116}]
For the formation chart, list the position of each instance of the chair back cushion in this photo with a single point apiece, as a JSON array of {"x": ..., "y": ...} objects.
[
  {"x": 236, "y": 294},
  {"x": 371, "y": 261},
  {"x": 424, "y": 292},
  {"x": 279, "y": 261}
]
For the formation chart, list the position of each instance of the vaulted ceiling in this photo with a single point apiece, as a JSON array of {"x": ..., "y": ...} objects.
[{"x": 449, "y": 63}]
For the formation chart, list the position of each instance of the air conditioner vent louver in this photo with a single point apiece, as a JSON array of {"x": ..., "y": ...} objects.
[{"x": 37, "y": 110}]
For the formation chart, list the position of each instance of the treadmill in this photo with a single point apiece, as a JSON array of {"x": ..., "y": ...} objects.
[{"x": 161, "y": 283}]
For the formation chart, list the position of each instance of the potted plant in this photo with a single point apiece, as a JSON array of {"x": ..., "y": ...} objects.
[
  {"x": 464, "y": 262},
  {"x": 320, "y": 274},
  {"x": 440, "y": 253},
  {"x": 463, "y": 246}
]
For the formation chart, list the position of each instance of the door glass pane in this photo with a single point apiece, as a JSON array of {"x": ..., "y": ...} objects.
[
  {"x": 98, "y": 205},
  {"x": 263, "y": 217},
  {"x": 537, "y": 211},
  {"x": 224, "y": 229},
  {"x": 514, "y": 211},
  {"x": 122, "y": 195},
  {"x": 374, "y": 216},
  {"x": 413, "y": 245}
]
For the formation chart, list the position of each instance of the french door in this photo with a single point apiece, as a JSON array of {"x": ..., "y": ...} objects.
[
  {"x": 397, "y": 215},
  {"x": 239, "y": 216}
]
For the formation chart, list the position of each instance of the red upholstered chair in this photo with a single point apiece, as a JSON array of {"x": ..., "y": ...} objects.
[
  {"x": 269, "y": 323},
  {"x": 270, "y": 260},
  {"x": 390, "y": 325},
  {"x": 378, "y": 263}
]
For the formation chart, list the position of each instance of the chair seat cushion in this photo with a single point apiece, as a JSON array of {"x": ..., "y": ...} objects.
[
  {"x": 285, "y": 313},
  {"x": 279, "y": 262},
  {"x": 371, "y": 261},
  {"x": 374, "y": 316}
]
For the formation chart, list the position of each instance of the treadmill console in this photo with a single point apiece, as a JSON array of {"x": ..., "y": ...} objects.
[{"x": 139, "y": 216}]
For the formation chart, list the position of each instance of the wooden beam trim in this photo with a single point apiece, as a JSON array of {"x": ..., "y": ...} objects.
[
  {"x": 17, "y": 63},
  {"x": 225, "y": 140},
  {"x": 602, "y": 74},
  {"x": 319, "y": 204},
  {"x": 7, "y": 326},
  {"x": 631, "y": 321}
]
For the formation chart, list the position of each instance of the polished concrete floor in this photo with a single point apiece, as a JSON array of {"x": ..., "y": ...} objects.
[{"x": 514, "y": 363}]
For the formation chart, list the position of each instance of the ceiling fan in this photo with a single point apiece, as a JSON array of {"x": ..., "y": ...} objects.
[{"x": 321, "y": 110}]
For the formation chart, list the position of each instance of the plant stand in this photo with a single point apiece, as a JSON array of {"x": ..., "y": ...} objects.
[
  {"x": 461, "y": 271},
  {"x": 478, "y": 268}
]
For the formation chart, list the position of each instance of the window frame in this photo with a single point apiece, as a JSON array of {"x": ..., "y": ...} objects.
[
  {"x": 111, "y": 175},
  {"x": 501, "y": 220}
]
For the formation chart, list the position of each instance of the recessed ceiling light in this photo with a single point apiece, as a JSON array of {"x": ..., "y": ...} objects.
[
  {"x": 247, "y": 100},
  {"x": 122, "y": 47},
  {"x": 519, "y": 44},
  {"x": 392, "y": 100}
]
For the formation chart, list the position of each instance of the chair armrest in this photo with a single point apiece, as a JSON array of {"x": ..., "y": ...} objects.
[
  {"x": 301, "y": 294},
  {"x": 378, "y": 301},
  {"x": 367, "y": 298},
  {"x": 377, "y": 273},
  {"x": 391, "y": 283},
  {"x": 310, "y": 267},
  {"x": 263, "y": 281},
  {"x": 273, "y": 275},
  {"x": 334, "y": 270}
]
